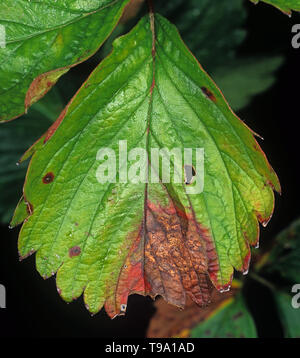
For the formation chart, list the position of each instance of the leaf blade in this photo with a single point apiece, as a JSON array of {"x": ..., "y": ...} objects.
[
  {"x": 43, "y": 41},
  {"x": 285, "y": 6},
  {"x": 230, "y": 320},
  {"x": 289, "y": 316}
]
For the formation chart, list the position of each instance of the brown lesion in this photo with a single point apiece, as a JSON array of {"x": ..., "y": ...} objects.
[
  {"x": 131, "y": 10},
  {"x": 48, "y": 178},
  {"x": 208, "y": 94},
  {"x": 167, "y": 258},
  {"x": 74, "y": 251},
  {"x": 175, "y": 256}
]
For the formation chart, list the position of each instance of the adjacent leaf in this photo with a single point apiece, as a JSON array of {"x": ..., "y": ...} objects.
[
  {"x": 284, "y": 5},
  {"x": 213, "y": 30},
  {"x": 289, "y": 315},
  {"x": 283, "y": 259},
  {"x": 169, "y": 321},
  {"x": 230, "y": 320},
  {"x": 15, "y": 138},
  {"x": 43, "y": 40},
  {"x": 245, "y": 78},
  {"x": 110, "y": 240}
]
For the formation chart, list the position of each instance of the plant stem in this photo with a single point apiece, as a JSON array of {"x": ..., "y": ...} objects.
[{"x": 262, "y": 280}]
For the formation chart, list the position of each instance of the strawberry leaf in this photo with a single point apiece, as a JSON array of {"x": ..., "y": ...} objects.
[
  {"x": 231, "y": 319},
  {"x": 43, "y": 40},
  {"x": 285, "y": 6},
  {"x": 283, "y": 258},
  {"x": 214, "y": 45},
  {"x": 110, "y": 240},
  {"x": 288, "y": 315},
  {"x": 246, "y": 77}
]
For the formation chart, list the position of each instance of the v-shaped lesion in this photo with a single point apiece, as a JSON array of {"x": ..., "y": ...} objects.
[{"x": 168, "y": 258}]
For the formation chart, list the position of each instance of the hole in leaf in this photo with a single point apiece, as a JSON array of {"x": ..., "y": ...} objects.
[{"x": 189, "y": 174}]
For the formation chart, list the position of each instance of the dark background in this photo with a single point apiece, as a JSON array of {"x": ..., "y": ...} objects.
[{"x": 34, "y": 308}]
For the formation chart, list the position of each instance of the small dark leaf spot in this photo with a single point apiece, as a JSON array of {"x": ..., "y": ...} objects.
[
  {"x": 74, "y": 251},
  {"x": 237, "y": 316},
  {"x": 189, "y": 174},
  {"x": 76, "y": 224},
  {"x": 48, "y": 178},
  {"x": 208, "y": 94}
]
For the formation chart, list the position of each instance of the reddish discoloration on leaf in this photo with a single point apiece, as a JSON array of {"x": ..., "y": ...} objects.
[
  {"x": 246, "y": 262},
  {"x": 264, "y": 220},
  {"x": 167, "y": 258},
  {"x": 21, "y": 258},
  {"x": 29, "y": 208},
  {"x": 131, "y": 280},
  {"x": 38, "y": 88},
  {"x": 48, "y": 178},
  {"x": 41, "y": 85},
  {"x": 208, "y": 94},
  {"x": 74, "y": 251},
  {"x": 55, "y": 125}
]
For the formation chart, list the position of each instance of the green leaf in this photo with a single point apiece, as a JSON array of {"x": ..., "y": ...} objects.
[
  {"x": 289, "y": 316},
  {"x": 113, "y": 239},
  {"x": 245, "y": 78},
  {"x": 230, "y": 320},
  {"x": 21, "y": 213},
  {"x": 43, "y": 40},
  {"x": 285, "y": 6},
  {"x": 15, "y": 138},
  {"x": 283, "y": 259}
]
